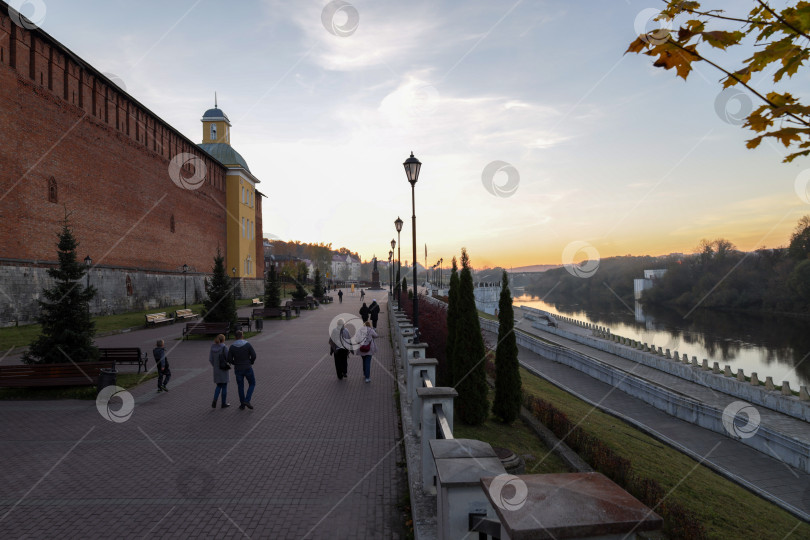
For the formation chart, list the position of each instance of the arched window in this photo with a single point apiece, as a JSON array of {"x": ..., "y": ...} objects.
[
  {"x": 53, "y": 193},
  {"x": 171, "y": 223},
  {"x": 129, "y": 286},
  {"x": 213, "y": 132}
]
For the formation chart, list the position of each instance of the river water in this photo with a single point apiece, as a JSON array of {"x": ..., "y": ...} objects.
[{"x": 771, "y": 346}]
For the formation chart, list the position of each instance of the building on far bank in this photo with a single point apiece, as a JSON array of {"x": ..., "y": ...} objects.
[{"x": 650, "y": 276}]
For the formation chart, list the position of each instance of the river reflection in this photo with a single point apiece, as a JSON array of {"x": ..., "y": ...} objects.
[{"x": 774, "y": 346}]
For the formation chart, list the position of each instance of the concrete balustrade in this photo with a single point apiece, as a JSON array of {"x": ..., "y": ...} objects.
[
  {"x": 413, "y": 351},
  {"x": 803, "y": 395},
  {"x": 695, "y": 361},
  {"x": 740, "y": 375},
  {"x": 429, "y": 397},
  {"x": 727, "y": 371},
  {"x": 418, "y": 368},
  {"x": 769, "y": 383},
  {"x": 460, "y": 465},
  {"x": 754, "y": 379},
  {"x": 715, "y": 367},
  {"x": 786, "y": 388}
]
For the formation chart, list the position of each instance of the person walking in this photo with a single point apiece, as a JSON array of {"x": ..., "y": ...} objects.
[
  {"x": 162, "y": 366},
  {"x": 338, "y": 345},
  {"x": 340, "y": 296},
  {"x": 364, "y": 312},
  {"x": 242, "y": 356},
  {"x": 367, "y": 348},
  {"x": 374, "y": 313},
  {"x": 362, "y": 295},
  {"x": 218, "y": 357}
]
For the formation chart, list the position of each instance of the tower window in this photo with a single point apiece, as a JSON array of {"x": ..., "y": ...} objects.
[
  {"x": 213, "y": 132},
  {"x": 53, "y": 194}
]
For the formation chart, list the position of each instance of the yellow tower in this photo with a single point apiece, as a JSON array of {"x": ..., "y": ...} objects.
[{"x": 240, "y": 196}]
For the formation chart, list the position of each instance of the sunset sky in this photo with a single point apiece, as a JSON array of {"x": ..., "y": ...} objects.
[{"x": 603, "y": 148}]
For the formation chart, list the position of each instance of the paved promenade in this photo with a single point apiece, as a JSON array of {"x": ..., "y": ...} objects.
[
  {"x": 316, "y": 458},
  {"x": 785, "y": 485}
]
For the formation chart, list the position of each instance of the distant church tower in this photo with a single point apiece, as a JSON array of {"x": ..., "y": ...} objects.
[{"x": 241, "y": 196}]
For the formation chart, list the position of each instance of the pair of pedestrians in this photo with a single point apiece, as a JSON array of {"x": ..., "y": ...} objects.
[
  {"x": 371, "y": 312},
  {"x": 363, "y": 345},
  {"x": 241, "y": 355}
]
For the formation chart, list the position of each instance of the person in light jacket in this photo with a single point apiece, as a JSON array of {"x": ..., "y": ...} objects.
[
  {"x": 242, "y": 356},
  {"x": 218, "y": 357},
  {"x": 365, "y": 338}
]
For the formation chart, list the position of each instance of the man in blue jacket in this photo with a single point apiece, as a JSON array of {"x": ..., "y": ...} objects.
[{"x": 242, "y": 356}]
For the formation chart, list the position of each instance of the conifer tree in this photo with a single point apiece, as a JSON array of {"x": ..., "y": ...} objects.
[
  {"x": 452, "y": 317},
  {"x": 317, "y": 287},
  {"x": 397, "y": 289},
  {"x": 221, "y": 303},
  {"x": 472, "y": 406},
  {"x": 272, "y": 292},
  {"x": 405, "y": 287},
  {"x": 67, "y": 329},
  {"x": 507, "y": 370},
  {"x": 300, "y": 292}
]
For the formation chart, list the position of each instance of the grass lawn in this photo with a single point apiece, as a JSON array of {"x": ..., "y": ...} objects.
[
  {"x": 21, "y": 336},
  {"x": 124, "y": 380},
  {"x": 725, "y": 509},
  {"x": 518, "y": 437}
]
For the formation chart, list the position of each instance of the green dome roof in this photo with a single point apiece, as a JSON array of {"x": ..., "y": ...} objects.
[{"x": 225, "y": 154}]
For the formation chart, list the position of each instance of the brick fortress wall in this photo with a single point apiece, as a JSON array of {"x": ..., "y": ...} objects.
[{"x": 75, "y": 141}]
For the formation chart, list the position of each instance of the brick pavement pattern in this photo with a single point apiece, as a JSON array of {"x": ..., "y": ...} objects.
[{"x": 316, "y": 458}]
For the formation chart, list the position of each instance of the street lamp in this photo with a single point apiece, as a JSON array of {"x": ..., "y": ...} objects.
[
  {"x": 391, "y": 271},
  {"x": 87, "y": 262},
  {"x": 185, "y": 294},
  {"x": 412, "y": 167},
  {"x": 398, "y": 224}
]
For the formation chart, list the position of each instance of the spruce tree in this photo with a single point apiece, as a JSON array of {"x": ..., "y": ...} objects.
[
  {"x": 221, "y": 304},
  {"x": 272, "y": 292},
  {"x": 472, "y": 406},
  {"x": 300, "y": 293},
  {"x": 405, "y": 288},
  {"x": 507, "y": 370},
  {"x": 67, "y": 329},
  {"x": 317, "y": 287},
  {"x": 452, "y": 318}
]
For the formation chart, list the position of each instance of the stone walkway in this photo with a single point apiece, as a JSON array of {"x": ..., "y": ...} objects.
[
  {"x": 785, "y": 485},
  {"x": 316, "y": 458}
]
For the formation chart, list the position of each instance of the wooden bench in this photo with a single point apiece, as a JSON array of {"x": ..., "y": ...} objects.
[
  {"x": 272, "y": 312},
  {"x": 70, "y": 374},
  {"x": 206, "y": 329},
  {"x": 301, "y": 304},
  {"x": 241, "y": 322},
  {"x": 185, "y": 314},
  {"x": 124, "y": 355},
  {"x": 154, "y": 319},
  {"x": 257, "y": 302}
]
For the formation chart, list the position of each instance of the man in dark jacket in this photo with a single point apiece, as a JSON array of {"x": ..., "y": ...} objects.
[
  {"x": 242, "y": 356},
  {"x": 162, "y": 366},
  {"x": 364, "y": 312},
  {"x": 374, "y": 312}
]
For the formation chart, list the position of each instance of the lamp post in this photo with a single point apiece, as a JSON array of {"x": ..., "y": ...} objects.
[
  {"x": 398, "y": 224},
  {"x": 87, "y": 262},
  {"x": 412, "y": 167},
  {"x": 185, "y": 293},
  {"x": 391, "y": 271}
]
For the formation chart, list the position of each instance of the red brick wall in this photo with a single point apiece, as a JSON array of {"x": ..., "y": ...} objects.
[{"x": 111, "y": 173}]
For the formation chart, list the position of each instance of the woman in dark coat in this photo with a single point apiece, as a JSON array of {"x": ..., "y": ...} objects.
[
  {"x": 218, "y": 356},
  {"x": 364, "y": 312}
]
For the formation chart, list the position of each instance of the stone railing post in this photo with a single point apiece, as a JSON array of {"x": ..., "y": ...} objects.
[
  {"x": 460, "y": 465},
  {"x": 417, "y": 366},
  {"x": 429, "y": 397},
  {"x": 412, "y": 351}
]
